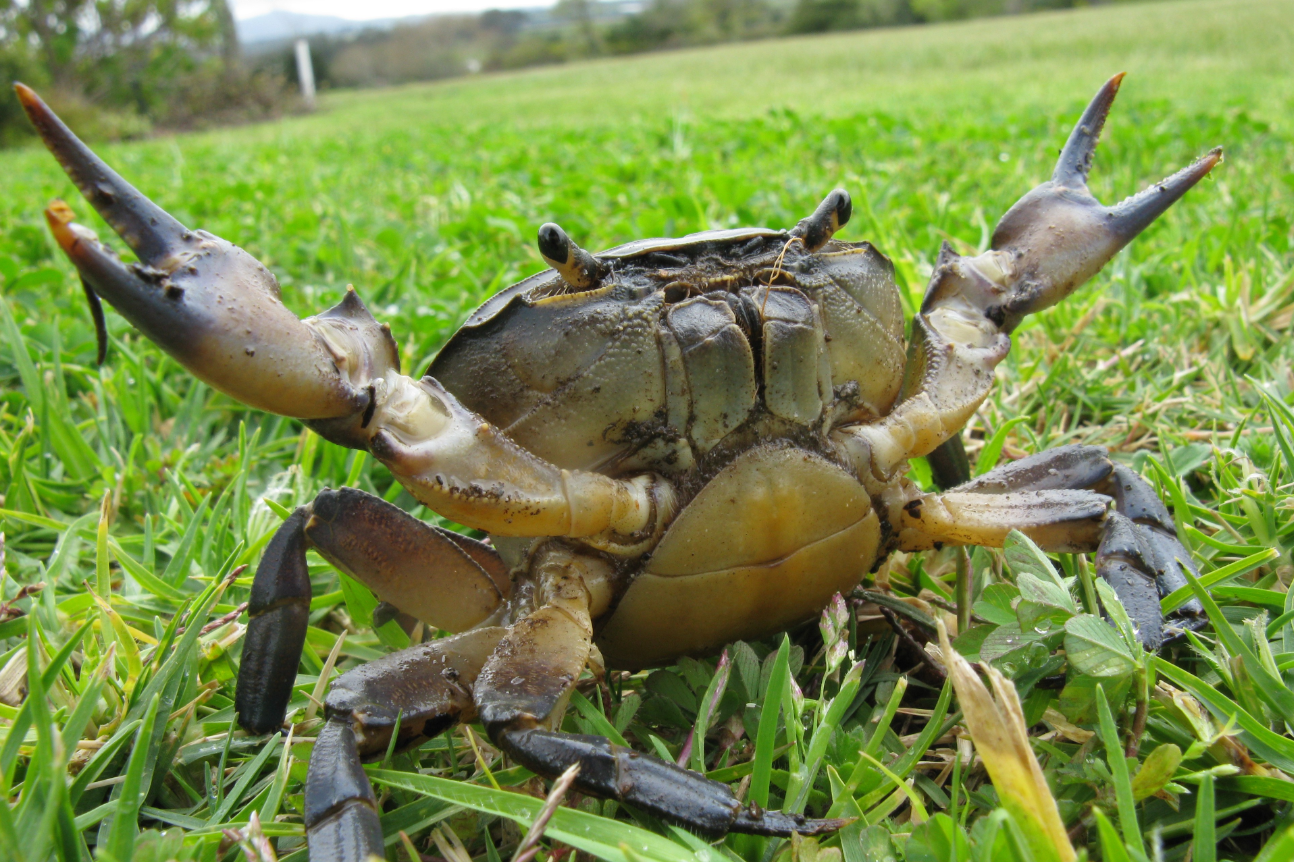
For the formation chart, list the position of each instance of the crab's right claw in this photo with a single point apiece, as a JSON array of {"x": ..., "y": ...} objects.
[
  {"x": 203, "y": 300},
  {"x": 1058, "y": 235}
]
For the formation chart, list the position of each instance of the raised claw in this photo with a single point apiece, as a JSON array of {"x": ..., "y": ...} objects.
[
  {"x": 1058, "y": 235},
  {"x": 204, "y": 301}
]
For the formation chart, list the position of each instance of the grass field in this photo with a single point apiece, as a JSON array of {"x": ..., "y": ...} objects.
[{"x": 132, "y": 492}]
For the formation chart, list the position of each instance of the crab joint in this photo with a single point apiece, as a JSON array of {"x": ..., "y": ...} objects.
[{"x": 576, "y": 266}]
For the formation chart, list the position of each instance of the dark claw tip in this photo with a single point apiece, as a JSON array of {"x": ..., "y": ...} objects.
[
  {"x": 554, "y": 244},
  {"x": 146, "y": 227},
  {"x": 27, "y": 96},
  {"x": 1129, "y": 218},
  {"x": 1075, "y": 161}
]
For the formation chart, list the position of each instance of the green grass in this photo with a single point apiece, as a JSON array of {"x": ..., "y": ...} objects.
[{"x": 132, "y": 493}]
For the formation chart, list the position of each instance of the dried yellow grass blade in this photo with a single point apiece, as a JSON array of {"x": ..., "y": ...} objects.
[{"x": 998, "y": 730}]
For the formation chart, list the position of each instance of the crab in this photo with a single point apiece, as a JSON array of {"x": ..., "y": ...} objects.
[{"x": 672, "y": 444}]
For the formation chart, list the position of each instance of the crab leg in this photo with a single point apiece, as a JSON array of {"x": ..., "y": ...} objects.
[
  {"x": 1051, "y": 241},
  {"x": 427, "y": 689},
  {"x": 1061, "y": 499},
  {"x": 527, "y": 681},
  {"x": 217, "y": 310},
  {"x": 446, "y": 580},
  {"x": 516, "y": 681}
]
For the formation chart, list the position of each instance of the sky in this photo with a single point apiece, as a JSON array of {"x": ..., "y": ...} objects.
[{"x": 370, "y": 9}]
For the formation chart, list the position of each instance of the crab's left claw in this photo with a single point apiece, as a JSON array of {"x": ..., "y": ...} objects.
[
  {"x": 1058, "y": 235},
  {"x": 1055, "y": 238},
  {"x": 203, "y": 300}
]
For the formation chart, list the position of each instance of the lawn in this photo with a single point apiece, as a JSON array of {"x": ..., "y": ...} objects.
[{"x": 133, "y": 493}]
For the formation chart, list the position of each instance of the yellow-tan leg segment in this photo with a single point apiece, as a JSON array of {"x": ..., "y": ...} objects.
[
  {"x": 523, "y": 688},
  {"x": 1059, "y": 521},
  {"x": 1062, "y": 500},
  {"x": 466, "y": 469}
]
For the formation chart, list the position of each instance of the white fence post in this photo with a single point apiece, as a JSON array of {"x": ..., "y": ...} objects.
[{"x": 305, "y": 73}]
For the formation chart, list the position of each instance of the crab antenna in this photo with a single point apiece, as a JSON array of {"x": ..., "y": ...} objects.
[
  {"x": 830, "y": 216},
  {"x": 576, "y": 266},
  {"x": 146, "y": 227},
  {"x": 1075, "y": 160}
]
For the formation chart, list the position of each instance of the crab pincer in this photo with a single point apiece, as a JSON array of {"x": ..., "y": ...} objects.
[
  {"x": 1052, "y": 240},
  {"x": 205, "y": 301},
  {"x": 1059, "y": 235}
]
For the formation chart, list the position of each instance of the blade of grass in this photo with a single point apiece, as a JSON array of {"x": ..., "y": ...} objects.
[
  {"x": 1274, "y": 691},
  {"x": 592, "y": 834},
  {"x": 1112, "y": 849},
  {"x": 249, "y": 771},
  {"x": 823, "y": 732},
  {"x": 1279, "y": 848},
  {"x": 1174, "y": 600},
  {"x": 766, "y": 740},
  {"x": 594, "y": 716},
  {"x": 1205, "y": 840},
  {"x": 1123, "y": 795},
  {"x": 124, "y": 826}
]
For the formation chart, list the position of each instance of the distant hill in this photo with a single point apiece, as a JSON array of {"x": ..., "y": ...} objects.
[{"x": 279, "y": 26}]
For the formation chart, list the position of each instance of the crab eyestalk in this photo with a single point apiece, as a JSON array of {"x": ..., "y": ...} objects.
[
  {"x": 576, "y": 266},
  {"x": 204, "y": 301}
]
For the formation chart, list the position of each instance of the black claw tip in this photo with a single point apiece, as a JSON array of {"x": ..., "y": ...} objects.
[
  {"x": 146, "y": 227},
  {"x": 1132, "y": 216},
  {"x": 554, "y": 244},
  {"x": 1075, "y": 160},
  {"x": 100, "y": 326}
]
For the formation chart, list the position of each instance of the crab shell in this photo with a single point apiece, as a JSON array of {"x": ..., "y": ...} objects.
[{"x": 719, "y": 360}]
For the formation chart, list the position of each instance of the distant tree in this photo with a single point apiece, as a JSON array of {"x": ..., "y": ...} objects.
[
  {"x": 818, "y": 16},
  {"x": 154, "y": 60},
  {"x": 581, "y": 14}
]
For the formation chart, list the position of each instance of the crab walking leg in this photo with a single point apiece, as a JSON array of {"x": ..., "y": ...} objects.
[
  {"x": 1060, "y": 498},
  {"x": 1139, "y": 554},
  {"x": 217, "y": 310},
  {"x": 1141, "y": 538},
  {"x": 1051, "y": 241},
  {"x": 448, "y": 581},
  {"x": 427, "y": 689},
  {"x": 524, "y": 687}
]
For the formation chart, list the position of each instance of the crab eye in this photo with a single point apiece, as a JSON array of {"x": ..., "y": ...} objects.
[{"x": 579, "y": 269}]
